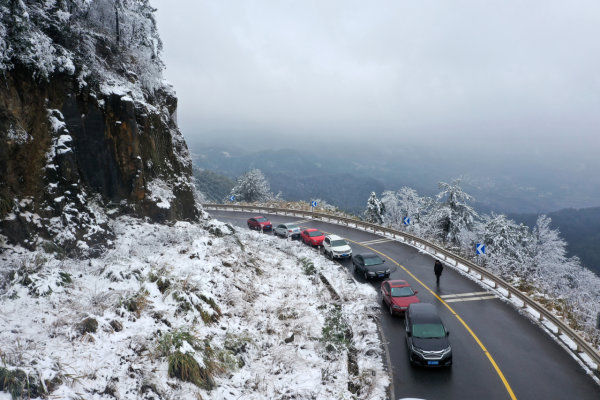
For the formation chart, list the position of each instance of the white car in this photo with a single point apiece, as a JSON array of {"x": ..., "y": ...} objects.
[
  {"x": 336, "y": 247},
  {"x": 288, "y": 229}
]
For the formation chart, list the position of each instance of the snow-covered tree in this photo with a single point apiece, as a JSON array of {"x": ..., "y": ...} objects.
[
  {"x": 375, "y": 209},
  {"x": 405, "y": 202},
  {"x": 393, "y": 209},
  {"x": 453, "y": 219},
  {"x": 550, "y": 265},
  {"x": 252, "y": 186},
  {"x": 97, "y": 40},
  {"x": 506, "y": 244}
]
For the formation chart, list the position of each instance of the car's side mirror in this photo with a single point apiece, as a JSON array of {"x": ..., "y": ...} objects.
[
  {"x": 416, "y": 291},
  {"x": 408, "y": 333},
  {"x": 383, "y": 260},
  {"x": 447, "y": 333}
]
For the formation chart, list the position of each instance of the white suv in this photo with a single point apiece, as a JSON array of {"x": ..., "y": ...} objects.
[{"x": 336, "y": 247}]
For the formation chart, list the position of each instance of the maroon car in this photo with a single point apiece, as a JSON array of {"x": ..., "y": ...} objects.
[
  {"x": 260, "y": 223},
  {"x": 398, "y": 295}
]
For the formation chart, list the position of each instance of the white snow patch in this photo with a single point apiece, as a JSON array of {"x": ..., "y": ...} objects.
[
  {"x": 161, "y": 193},
  {"x": 56, "y": 123}
]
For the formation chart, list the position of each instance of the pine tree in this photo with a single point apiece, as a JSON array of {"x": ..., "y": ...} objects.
[
  {"x": 405, "y": 202},
  {"x": 252, "y": 187},
  {"x": 506, "y": 244},
  {"x": 453, "y": 219},
  {"x": 375, "y": 209},
  {"x": 550, "y": 265}
]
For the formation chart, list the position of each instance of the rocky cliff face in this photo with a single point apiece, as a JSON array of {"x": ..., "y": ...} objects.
[{"x": 87, "y": 127}]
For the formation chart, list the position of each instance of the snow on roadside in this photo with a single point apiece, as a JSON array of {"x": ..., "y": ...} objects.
[{"x": 251, "y": 312}]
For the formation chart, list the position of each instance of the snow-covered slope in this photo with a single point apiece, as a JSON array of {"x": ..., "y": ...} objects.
[{"x": 250, "y": 309}]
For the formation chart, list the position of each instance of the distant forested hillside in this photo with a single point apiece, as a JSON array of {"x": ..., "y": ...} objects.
[
  {"x": 215, "y": 187},
  {"x": 580, "y": 228},
  {"x": 516, "y": 181},
  {"x": 296, "y": 175}
]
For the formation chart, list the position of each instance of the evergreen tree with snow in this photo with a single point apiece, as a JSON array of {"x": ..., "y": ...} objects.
[
  {"x": 550, "y": 266},
  {"x": 405, "y": 202},
  {"x": 452, "y": 218},
  {"x": 375, "y": 209},
  {"x": 506, "y": 243},
  {"x": 252, "y": 187}
]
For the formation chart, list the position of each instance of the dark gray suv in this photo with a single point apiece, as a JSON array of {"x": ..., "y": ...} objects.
[{"x": 426, "y": 337}]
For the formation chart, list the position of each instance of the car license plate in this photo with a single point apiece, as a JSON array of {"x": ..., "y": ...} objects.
[
  {"x": 381, "y": 275},
  {"x": 344, "y": 255},
  {"x": 433, "y": 362}
]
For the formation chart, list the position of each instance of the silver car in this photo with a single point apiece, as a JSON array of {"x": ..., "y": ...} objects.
[{"x": 289, "y": 229}]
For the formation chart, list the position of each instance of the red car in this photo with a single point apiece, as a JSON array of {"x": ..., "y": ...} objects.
[
  {"x": 260, "y": 224},
  {"x": 314, "y": 237},
  {"x": 397, "y": 295}
]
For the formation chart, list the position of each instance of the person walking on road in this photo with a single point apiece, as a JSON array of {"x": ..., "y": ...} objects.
[{"x": 438, "y": 268}]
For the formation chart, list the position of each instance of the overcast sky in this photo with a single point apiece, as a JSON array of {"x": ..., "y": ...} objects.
[{"x": 468, "y": 71}]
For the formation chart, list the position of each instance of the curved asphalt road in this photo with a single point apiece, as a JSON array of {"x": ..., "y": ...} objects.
[{"x": 534, "y": 366}]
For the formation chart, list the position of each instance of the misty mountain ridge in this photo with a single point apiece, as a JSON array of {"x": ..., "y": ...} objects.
[{"x": 501, "y": 182}]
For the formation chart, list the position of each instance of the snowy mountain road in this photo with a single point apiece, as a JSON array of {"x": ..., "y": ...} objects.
[{"x": 497, "y": 353}]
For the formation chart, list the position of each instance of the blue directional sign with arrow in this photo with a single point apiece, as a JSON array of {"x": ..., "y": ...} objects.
[
  {"x": 313, "y": 203},
  {"x": 406, "y": 221},
  {"x": 480, "y": 248},
  {"x": 231, "y": 198}
]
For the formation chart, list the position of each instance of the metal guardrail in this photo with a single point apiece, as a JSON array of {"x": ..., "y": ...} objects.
[{"x": 497, "y": 283}]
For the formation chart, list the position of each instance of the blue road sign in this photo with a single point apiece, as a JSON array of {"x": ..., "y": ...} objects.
[
  {"x": 313, "y": 204},
  {"x": 231, "y": 198},
  {"x": 406, "y": 221},
  {"x": 480, "y": 248}
]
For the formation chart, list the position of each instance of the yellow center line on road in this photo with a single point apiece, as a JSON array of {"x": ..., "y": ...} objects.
[{"x": 485, "y": 351}]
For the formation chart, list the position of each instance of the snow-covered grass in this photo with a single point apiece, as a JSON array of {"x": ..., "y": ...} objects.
[{"x": 188, "y": 311}]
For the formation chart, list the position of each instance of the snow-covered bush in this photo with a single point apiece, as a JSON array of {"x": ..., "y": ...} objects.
[{"x": 252, "y": 187}]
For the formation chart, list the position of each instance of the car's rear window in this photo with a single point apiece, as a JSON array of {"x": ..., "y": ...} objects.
[
  {"x": 291, "y": 226},
  {"x": 261, "y": 219},
  {"x": 428, "y": 331},
  {"x": 404, "y": 291},
  {"x": 315, "y": 234},
  {"x": 373, "y": 260}
]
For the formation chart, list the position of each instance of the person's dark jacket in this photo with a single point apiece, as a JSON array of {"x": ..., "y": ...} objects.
[{"x": 438, "y": 267}]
